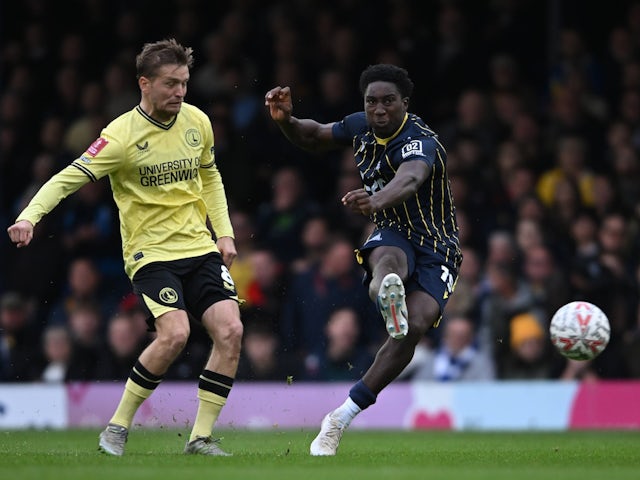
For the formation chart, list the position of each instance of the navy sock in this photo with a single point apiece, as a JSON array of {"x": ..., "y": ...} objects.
[{"x": 362, "y": 395}]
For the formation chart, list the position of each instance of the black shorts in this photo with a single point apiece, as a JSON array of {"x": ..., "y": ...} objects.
[
  {"x": 429, "y": 270},
  {"x": 190, "y": 284}
]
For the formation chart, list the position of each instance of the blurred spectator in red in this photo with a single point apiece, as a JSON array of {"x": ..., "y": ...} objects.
[
  {"x": 131, "y": 305},
  {"x": 266, "y": 290},
  {"x": 242, "y": 269}
]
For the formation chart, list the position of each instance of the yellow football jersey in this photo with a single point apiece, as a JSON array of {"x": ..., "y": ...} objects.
[{"x": 164, "y": 181}]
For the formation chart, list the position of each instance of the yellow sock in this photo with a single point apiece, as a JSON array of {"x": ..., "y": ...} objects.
[
  {"x": 132, "y": 398},
  {"x": 209, "y": 408}
]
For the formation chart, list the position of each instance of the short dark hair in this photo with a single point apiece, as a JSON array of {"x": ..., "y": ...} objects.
[
  {"x": 383, "y": 72},
  {"x": 164, "y": 52}
]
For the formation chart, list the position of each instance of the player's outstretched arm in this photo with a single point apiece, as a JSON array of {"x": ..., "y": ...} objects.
[
  {"x": 21, "y": 233},
  {"x": 304, "y": 133}
]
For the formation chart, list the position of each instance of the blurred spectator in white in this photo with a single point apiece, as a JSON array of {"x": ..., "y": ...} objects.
[
  {"x": 58, "y": 349},
  {"x": 457, "y": 358}
]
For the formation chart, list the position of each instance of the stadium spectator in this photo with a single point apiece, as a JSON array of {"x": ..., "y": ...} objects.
[
  {"x": 86, "y": 326},
  {"x": 267, "y": 288},
  {"x": 528, "y": 356},
  {"x": 344, "y": 356},
  {"x": 18, "y": 339},
  {"x": 315, "y": 236},
  {"x": 456, "y": 358},
  {"x": 544, "y": 274},
  {"x": 84, "y": 284},
  {"x": 262, "y": 358},
  {"x": 241, "y": 269},
  {"x": 507, "y": 295},
  {"x": 123, "y": 346},
  {"x": 57, "y": 349},
  {"x": 311, "y": 296},
  {"x": 279, "y": 221}
]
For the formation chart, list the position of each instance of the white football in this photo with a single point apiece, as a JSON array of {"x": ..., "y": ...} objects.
[{"x": 580, "y": 330}]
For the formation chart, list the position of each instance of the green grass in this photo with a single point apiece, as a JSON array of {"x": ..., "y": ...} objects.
[{"x": 282, "y": 455}]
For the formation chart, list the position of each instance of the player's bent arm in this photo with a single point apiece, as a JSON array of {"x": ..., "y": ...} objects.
[
  {"x": 60, "y": 186},
  {"x": 227, "y": 247},
  {"x": 408, "y": 178}
]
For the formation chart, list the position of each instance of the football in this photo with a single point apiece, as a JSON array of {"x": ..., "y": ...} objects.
[{"x": 580, "y": 330}]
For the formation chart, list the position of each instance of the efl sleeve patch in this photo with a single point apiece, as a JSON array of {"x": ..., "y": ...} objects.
[
  {"x": 413, "y": 148},
  {"x": 96, "y": 146}
]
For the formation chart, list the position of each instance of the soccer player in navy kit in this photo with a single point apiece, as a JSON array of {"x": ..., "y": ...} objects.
[
  {"x": 412, "y": 257},
  {"x": 161, "y": 165}
]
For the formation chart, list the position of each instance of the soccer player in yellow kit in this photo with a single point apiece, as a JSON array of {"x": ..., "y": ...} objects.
[{"x": 161, "y": 166}]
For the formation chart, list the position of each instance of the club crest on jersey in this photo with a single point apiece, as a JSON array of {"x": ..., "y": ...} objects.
[
  {"x": 414, "y": 147},
  {"x": 96, "y": 146},
  {"x": 193, "y": 137}
]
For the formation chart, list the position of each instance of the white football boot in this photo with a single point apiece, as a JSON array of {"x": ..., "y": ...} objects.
[{"x": 393, "y": 306}]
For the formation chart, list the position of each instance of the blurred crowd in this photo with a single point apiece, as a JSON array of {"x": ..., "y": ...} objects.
[{"x": 538, "y": 107}]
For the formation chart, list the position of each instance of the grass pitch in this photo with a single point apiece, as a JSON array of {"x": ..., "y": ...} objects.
[{"x": 282, "y": 455}]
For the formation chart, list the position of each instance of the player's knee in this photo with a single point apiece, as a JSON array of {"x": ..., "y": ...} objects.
[
  {"x": 230, "y": 334},
  {"x": 421, "y": 322},
  {"x": 175, "y": 339}
]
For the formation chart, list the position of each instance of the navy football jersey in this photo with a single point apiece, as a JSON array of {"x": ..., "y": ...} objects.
[{"x": 427, "y": 218}]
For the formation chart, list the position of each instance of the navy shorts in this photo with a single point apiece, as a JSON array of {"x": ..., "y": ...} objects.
[
  {"x": 190, "y": 284},
  {"x": 429, "y": 270}
]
